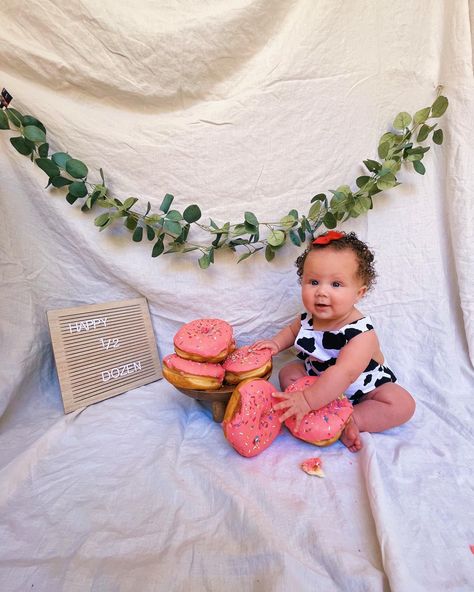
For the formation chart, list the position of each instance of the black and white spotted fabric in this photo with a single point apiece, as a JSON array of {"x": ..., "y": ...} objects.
[{"x": 320, "y": 349}]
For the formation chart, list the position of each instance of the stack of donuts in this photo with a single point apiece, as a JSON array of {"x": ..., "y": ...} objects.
[{"x": 206, "y": 356}]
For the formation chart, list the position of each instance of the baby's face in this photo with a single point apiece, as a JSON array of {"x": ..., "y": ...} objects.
[{"x": 330, "y": 284}]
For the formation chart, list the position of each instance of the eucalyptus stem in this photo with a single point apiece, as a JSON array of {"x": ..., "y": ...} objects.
[{"x": 169, "y": 228}]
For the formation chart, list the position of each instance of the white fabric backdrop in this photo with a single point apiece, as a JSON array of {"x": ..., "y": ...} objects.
[{"x": 240, "y": 105}]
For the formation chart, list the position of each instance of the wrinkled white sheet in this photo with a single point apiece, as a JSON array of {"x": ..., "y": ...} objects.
[{"x": 240, "y": 105}]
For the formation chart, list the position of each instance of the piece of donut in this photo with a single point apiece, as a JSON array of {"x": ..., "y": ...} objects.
[
  {"x": 245, "y": 363},
  {"x": 250, "y": 422},
  {"x": 323, "y": 426},
  {"x": 204, "y": 340},
  {"x": 313, "y": 466},
  {"x": 200, "y": 376}
]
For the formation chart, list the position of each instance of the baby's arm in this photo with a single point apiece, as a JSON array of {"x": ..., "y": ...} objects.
[
  {"x": 352, "y": 361},
  {"x": 282, "y": 340}
]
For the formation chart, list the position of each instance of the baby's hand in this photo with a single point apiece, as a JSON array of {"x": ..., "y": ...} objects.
[
  {"x": 295, "y": 404},
  {"x": 265, "y": 344}
]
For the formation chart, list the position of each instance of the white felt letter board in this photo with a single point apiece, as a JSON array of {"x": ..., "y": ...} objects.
[{"x": 103, "y": 350}]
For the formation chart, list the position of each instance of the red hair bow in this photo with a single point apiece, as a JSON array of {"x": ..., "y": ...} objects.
[{"x": 325, "y": 239}]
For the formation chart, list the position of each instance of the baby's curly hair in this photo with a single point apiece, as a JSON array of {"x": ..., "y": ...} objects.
[{"x": 365, "y": 257}]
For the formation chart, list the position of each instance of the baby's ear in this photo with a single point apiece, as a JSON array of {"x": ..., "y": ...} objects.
[{"x": 361, "y": 292}]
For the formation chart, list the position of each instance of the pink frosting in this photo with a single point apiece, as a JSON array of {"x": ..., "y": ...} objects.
[
  {"x": 174, "y": 362},
  {"x": 323, "y": 424},
  {"x": 243, "y": 360},
  {"x": 254, "y": 427},
  {"x": 207, "y": 337}
]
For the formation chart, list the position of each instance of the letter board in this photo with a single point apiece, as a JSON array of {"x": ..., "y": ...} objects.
[{"x": 103, "y": 350}]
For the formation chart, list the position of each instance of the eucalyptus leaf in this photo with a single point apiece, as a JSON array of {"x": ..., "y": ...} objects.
[
  {"x": 318, "y": 197},
  {"x": 129, "y": 202},
  {"x": 4, "y": 121},
  {"x": 244, "y": 256},
  {"x": 76, "y": 168},
  {"x": 383, "y": 150},
  {"x": 344, "y": 190},
  {"x": 60, "y": 158},
  {"x": 78, "y": 189},
  {"x": 34, "y": 134},
  {"x": 315, "y": 210},
  {"x": 71, "y": 198},
  {"x": 363, "y": 180},
  {"x": 422, "y": 115},
  {"x": 59, "y": 181},
  {"x": 276, "y": 238},
  {"x": 172, "y": 227},
  {"x": 192, "y": 213},
  {"x": 102, "y": 219},
  {"x": 150, "y": 232},
  {"x": 251, "y": 219},
  {"x": 249, "y": 228},
  {"x": 158, "y": 247},
  {"x": 307, "y": 225},
  {"x": 21, "y": 145},
  {"x": 239, "y": 229},
  {"x": 137, "y": 234},
  {"x": 14, "y": 116},
  {"x": 204, "y": 261},
  {"x": 288, "y": 221},
  {"x": 269, "y": 253},
  {"x": 174, "y": 215},
  {"x": 439, "y": 106},
  {"x": 293, "y": 214},
  {"x": 166, "y": 203},
  {"x": 295, "y": 239},
  {"x": 43, "y": 150},
  {"x": 438, "y": 136},
  {"x": 402, "y": 120},
  {"x": 30, "y": 120},
  {"x": 372, "y": 165},
  {"x": 48, "y": 166},
  {"x": 131, "y": 222},
  {"x": 329, "y": 220},
  {"x": 387, "y": 181},
  {"x": 423, "y": 133},
  {"x": 419, "y": 167}
]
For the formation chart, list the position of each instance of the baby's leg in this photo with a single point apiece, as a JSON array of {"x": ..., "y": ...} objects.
[
  {"x": 290, "y": 373},
  {"x": 385, "y": 407}
]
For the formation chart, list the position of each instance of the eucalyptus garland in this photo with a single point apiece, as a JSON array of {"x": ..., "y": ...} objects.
[{"x": 169, "y": 229}]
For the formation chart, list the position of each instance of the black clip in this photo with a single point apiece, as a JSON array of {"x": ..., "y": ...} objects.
[{"x": 5, "y": 98}]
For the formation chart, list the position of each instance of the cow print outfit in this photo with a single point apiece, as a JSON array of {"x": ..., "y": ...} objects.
[{"x": 320, "y": 350}]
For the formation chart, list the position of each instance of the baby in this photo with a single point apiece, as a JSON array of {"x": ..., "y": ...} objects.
[{"x": 338, "y": 343}]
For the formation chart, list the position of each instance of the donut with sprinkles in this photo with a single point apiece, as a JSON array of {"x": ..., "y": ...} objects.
[
  {"x": 204, "y": 340},
  {"x": 323, "y": 426}
]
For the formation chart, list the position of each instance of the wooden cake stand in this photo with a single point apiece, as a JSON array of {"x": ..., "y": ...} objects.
[{"x": 218, "y": 398}]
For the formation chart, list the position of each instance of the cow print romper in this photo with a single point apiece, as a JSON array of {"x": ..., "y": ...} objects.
[{"x": 320, "y": 350}]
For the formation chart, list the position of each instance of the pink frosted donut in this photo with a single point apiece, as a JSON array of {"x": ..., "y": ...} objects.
[
  {"x": 323, "y": 426},
  {"x": 193, "y": 375},
  {"x": 244, "y": 363},
  {"x": 250, "y": 422},
  {"x": 204, "y": 340}
]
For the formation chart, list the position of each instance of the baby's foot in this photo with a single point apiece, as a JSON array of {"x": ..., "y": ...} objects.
[{"x": 350, "y": 436}]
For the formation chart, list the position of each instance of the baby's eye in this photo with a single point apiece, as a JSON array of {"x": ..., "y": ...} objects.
[
  {"x": 314, "y": 282},
  {"x": 336, "y": 284}
]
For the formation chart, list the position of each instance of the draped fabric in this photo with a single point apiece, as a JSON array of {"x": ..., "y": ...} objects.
[{"x": 243, "y": 105}]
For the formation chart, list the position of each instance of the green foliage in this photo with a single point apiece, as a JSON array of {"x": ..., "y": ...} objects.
[{"x": 169, "y": 229}]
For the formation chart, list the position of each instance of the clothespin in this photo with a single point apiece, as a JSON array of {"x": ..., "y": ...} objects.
[{"x": 5, "y": 98}]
